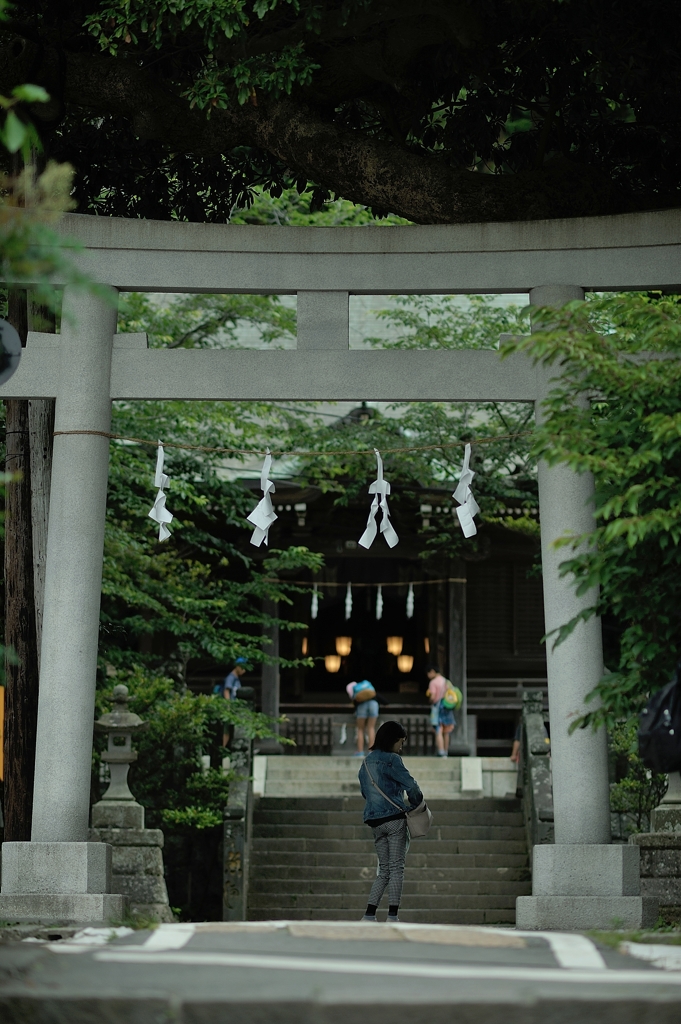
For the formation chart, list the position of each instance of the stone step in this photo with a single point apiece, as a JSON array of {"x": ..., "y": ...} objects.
[
  {"x": 347, "y": 901},
  {"x": 356, "y": 803},
  {"x": 324, "y": 887},
  {"x": 470, "y": 917},
  {"x": 321, "y": 789},
  {"x": 448, "y": 817},
  {"x": 437, "y": 832},
  {"x": 331, "y": 770},
  {"x": 289, "y": 873},
  {"x": 267, "y": 860},
  {"x": 320, "y": 762},
  {"x": 444, "y": 846}
]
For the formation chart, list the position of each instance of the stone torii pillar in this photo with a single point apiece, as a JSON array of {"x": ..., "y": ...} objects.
[
  {"x": 581, "y": 881},
  {"x": 59, "y": 875}
]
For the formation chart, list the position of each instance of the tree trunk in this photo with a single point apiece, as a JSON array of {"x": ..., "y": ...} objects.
[
  {"x": 21, "y": 693},
  {"x": 41, "y": 428}
]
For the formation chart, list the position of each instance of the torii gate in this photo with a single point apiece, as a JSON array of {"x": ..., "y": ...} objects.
[{"x": 582, "y": 880}]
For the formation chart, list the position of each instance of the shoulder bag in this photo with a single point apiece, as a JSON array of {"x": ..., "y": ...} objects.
[{"x": 419, "y": 819}]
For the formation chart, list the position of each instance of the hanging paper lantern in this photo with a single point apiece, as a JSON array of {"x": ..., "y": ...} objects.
[{"x": 405, "y": 662}]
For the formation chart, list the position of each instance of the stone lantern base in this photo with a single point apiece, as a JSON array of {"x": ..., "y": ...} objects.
[
  {"x": 137, "y": 858},
  {"x": 59, "y": 883}
]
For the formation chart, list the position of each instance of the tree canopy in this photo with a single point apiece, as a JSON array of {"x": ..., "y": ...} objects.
[{"x": 443, "y": 112}]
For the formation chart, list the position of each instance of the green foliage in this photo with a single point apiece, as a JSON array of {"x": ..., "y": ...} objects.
[
  {"x": 291, "y": 207},
  {"x": 17, "y": 134},
  {"x": 200, "y": 594},
  {"x": 637, "y": 790},
  {"x": 623, "y": 352},
  {"x": 505, "y": 483},
  {"x": 30, "y": 249},
  {"x": 570, "y": 100},
  {"x": 448, "y": 321},
  {"x": 136, "y": 23},
  {"x": 168, "y": 778},
  {"x": 208, "y": 321}
]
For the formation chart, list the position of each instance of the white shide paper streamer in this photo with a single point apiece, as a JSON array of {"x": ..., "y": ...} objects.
[
  {"x": 159, "y": 513},
  {"x": 314, "y": 609},
  {"x": 348, "y": 601},
  {"x": 380, "y": 489},
  {"x": 468, "y": 506},
  {"x": 379, "y": 602},
  {"x": 263, "y": 515},
  {"x": 410, "y": 601}
]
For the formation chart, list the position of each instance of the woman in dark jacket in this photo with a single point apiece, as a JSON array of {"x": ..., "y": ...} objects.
[{"x": 385, "y": 812}]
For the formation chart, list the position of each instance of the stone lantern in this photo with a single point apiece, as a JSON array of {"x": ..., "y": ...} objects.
[
  {"x": 117, "y": 819},
  {"x": 121, "y": 725}
]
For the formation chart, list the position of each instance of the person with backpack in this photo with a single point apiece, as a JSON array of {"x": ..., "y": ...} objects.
[
  {"x": 363, "y": 696},
  {"x": 444, "y": 698},
  {"x": 384, "y": 780}
]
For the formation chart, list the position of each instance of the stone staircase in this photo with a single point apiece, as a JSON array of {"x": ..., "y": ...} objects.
[
  {"x": 440, "y": 778},
  {"x": 313, "y": 858}
]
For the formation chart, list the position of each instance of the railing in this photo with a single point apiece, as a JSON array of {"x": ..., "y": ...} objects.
[
  {"x": 534, "y": 772},
  {"x": 335, "y": 734},
  {"x": 312, "y": 734},
  {"x": 238, "y": 828}
]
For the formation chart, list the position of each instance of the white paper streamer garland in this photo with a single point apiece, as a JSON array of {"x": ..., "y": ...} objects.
[
  {"x": 348, "y": 601},
  {"x": 380, "y": 489},
  {"x": 379, "y": 602},
  {"x": 410, "y": 601},
  {"x": 159, "y": 513},
  {"x": 468, "y": 506},
  {"x": 314, "y": 608},
  {"x": 263, "y": 515}
]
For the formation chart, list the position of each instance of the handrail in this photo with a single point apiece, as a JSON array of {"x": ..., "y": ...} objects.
[
  {"x": 534, "y": 772},
  {"x": 238, "y": 828}
]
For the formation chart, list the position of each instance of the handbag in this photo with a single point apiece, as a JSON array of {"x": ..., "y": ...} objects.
[{"x": 419, "y": 819}]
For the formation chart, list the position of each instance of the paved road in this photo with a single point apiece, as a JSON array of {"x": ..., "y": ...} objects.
[{"x": 334, "y": 973}]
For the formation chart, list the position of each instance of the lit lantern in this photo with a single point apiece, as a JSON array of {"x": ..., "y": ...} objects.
[
  {"x": 304, "y": 646},
  {"x": 394, "y": 644},
  {"x": 332, "y": 662},
  {"x": 405, "y": 662},
  {"x": 343, "y": 645}
]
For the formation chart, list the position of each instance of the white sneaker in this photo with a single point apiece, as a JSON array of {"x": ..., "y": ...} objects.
[{"x": 367, "y": 918}]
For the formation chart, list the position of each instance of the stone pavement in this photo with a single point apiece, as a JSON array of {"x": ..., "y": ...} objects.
[{"x": 306, "y": 972}]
